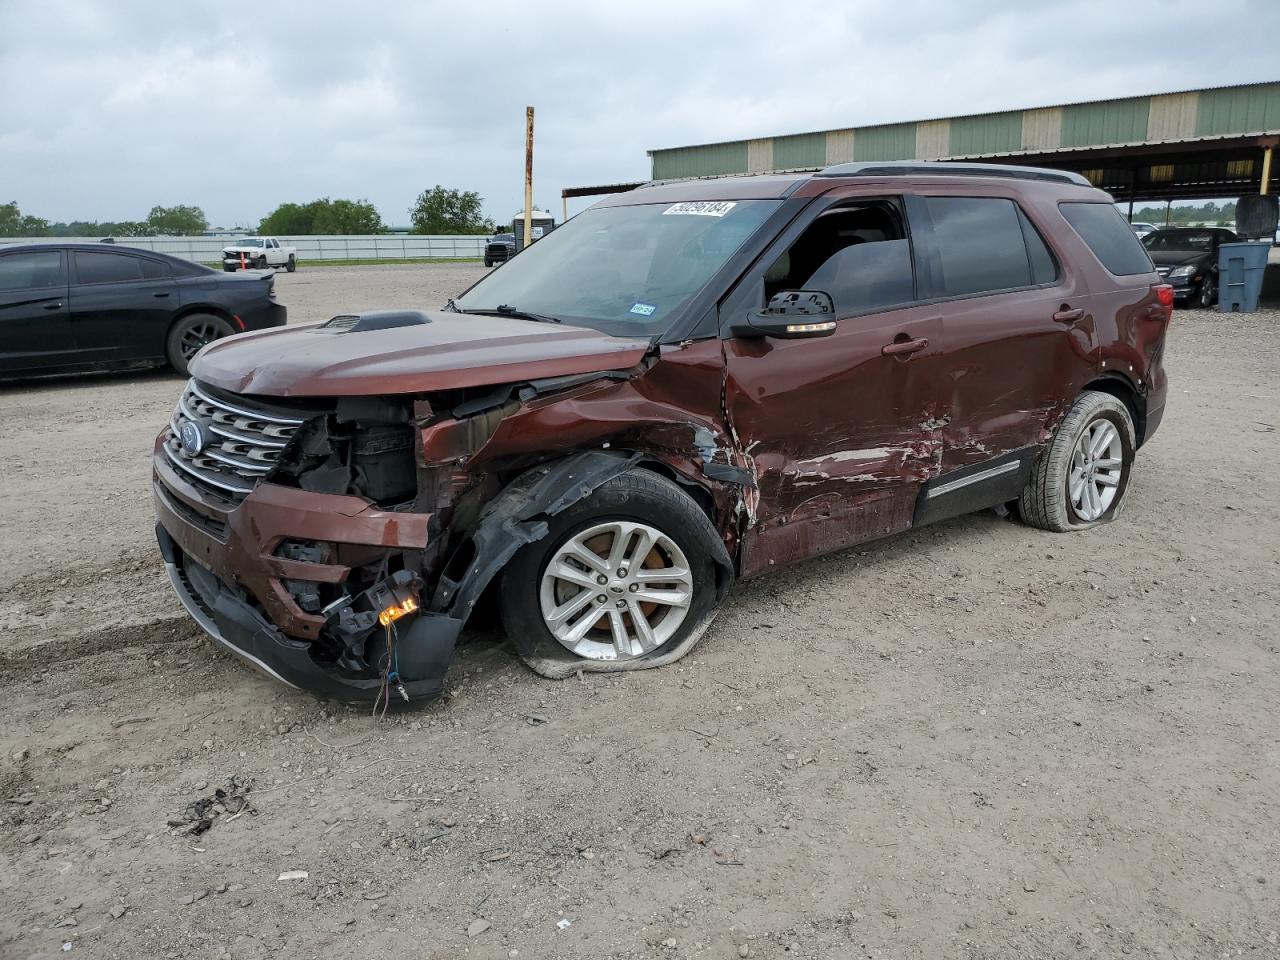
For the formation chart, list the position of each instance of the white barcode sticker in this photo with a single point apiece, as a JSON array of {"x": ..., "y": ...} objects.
[{"x": 701, "y": 208}]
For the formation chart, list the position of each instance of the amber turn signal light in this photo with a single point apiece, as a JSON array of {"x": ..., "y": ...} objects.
[{"x": 397, "y": 610}]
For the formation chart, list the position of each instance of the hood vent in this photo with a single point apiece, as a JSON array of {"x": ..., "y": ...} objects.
[{"x": 375, "y": 320}]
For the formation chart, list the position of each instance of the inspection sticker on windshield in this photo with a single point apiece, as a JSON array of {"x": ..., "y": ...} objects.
[
  {"x": 701, "y": 208},
  {"x": 644, "y": 309}
]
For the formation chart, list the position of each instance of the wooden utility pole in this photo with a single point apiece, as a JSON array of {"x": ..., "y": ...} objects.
[{"x": 528, "y": 176}]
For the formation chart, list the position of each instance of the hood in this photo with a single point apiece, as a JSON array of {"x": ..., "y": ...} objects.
[
  {"x": 1178, "y": 258},
  {"x": 442, "y": 351}
]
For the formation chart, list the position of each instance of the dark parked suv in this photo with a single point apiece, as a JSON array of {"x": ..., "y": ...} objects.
[{"x": 684, "y": 386}]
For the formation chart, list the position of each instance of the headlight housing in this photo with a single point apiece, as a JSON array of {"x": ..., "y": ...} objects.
[{"x": 1182, "y": 271}]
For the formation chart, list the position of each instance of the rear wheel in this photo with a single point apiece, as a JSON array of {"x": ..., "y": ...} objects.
[
  {"x": 622, "y": 581},
  {"x": 1081, "y": 477},
  {"x": 292, "y": 265},
  {"x": 188, "y": 335}
]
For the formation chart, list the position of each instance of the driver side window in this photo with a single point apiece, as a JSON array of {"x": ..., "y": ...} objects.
[{"x": 858, "y": 253}]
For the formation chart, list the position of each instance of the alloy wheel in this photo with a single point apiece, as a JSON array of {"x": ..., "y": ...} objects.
[
  {"x": 616, "y": 591},
  {"x": 1097, "y": 466},
  {"x": 196, "y": 336}
]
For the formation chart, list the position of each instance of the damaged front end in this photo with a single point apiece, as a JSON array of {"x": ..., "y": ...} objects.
[{"x": 340, "y": 545}]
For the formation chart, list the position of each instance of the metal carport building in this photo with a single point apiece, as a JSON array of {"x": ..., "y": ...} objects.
[{"x": 1196, "y": 143}]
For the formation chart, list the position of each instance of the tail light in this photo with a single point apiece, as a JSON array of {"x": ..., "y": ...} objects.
[
  {"x": 271, "y": 291},
  {"x": 1164, "y": 295}
]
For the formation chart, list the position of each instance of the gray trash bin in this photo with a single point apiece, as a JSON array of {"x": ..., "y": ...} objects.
[{"x": 1240, "y": 270}]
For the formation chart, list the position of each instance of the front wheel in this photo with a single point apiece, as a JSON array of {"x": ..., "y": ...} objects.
[
  {"x": 1081, "y": 477},
  {"x": 623, "y": 580},
  {"x": 1208, "y": 297},
  {"x": 189, "y": 335}
]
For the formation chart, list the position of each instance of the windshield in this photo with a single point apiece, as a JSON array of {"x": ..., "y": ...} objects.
[
  {"x": 1179, "y": 240},
  {"x": 248, "y": 242},
  {"x": 626, "y": 271}
]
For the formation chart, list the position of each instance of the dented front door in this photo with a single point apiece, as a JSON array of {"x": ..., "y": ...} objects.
[{"x": 840, "y": 433}]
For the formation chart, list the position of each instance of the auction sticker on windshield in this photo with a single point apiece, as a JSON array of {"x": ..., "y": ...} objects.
[
  {"x": 644, "y": 309},
  {"x": 701, "y": 208}
]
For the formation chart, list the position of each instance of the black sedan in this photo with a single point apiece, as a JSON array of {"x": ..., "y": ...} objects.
[
  {"x": 66, "y": 308},
  {"x": 1187, "y": 257}
]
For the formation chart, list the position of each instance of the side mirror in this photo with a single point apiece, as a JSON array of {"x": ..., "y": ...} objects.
[{"x": 790, "y": 315}]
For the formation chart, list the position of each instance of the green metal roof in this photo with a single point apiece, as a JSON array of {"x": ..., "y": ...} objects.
[{"x": 1182, "y": 117}]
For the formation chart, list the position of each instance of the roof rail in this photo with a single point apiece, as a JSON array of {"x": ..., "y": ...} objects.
[{"x": 943, "y": 168}]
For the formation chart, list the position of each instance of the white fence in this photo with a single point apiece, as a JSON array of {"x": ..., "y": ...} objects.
[{"x": 376, "y": 247}]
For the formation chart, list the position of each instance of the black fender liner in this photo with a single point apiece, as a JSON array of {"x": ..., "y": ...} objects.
[{"x": 516, "y": 517}]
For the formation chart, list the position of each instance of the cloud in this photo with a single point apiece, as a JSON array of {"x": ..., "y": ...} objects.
[{"x": 112, "y": 108}]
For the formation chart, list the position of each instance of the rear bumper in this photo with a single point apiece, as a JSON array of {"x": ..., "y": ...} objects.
[
  {"x": 223, "y": 566},
  {"x": 269, "y": 315}
]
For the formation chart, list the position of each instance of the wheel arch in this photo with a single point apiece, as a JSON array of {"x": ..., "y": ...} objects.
[
  {"x": 212, "y": 309},
  {"x": 1126, "y": 391},
  {"x": 517, "y": 514}
]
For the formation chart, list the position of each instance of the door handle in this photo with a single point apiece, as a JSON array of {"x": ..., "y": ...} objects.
[
  {"x": 1068, "y": 314},
  {"x": 160, "y": 294},
  {"x": 902, "y": 348},
  {"x": 53, "y": 306}
]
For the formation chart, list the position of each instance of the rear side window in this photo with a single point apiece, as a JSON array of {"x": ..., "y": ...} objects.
[
  {"x": 1111, "y": 239},
  {"x": 107, "y": 267},
  {"x": 31, "y": 271},
  {"x": 980, "y": 245},
  {"x": 1044, "y": 269},
  {"x": 153, "y": 269}
]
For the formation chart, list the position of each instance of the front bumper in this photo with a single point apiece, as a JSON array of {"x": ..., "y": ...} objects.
[
  {"x": 1184, "y": 287},
  {"x": 222, "y": 564}
]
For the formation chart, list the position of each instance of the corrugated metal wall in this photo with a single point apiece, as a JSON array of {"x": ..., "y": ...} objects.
[
  {"x": 1112, "y": 121},
  {"x": 896, "y": 141},
  {"x": 799, "y": 152},
  {"x": 708, "y": 160},
  {"x": 986, "y": 133},
  {"x": 1178, "y": 116},
  {"x": 1239, "y": 110}
]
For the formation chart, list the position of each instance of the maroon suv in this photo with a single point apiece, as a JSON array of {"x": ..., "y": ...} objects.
[{"x": 683, "y": 386}]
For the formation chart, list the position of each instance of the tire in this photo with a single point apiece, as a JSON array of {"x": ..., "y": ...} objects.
[
  {"x": 292, "y": 265},
  {"x": 1057, "y": 496},
  {"x": 189, "y": 334},
  {"x": 627, "y": 505},
  {"x": 1207, "y": 298},
  {"x": 226, "y": 269},
  {"x": 488, "y": 262}
]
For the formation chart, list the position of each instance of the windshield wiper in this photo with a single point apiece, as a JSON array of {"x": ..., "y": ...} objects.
[{"x": 504, "y": 310}]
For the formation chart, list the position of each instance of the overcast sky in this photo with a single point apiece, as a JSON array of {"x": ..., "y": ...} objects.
[{"x": 112, "y": 107}]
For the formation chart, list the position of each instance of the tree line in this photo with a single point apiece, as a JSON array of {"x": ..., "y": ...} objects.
[
  {"x": 438, "y": 210},
  {"x": 176, "y": 221},
  {"x": 1209, "y": 212}
]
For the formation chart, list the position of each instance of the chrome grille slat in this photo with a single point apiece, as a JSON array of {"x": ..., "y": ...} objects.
[{"x": 242, "y": 445}]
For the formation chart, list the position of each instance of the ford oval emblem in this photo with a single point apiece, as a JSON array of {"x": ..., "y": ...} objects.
[{"x": 193, "y": 437}]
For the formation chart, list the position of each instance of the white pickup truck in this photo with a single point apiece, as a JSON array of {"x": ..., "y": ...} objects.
[{"x": 259, "y": 253}]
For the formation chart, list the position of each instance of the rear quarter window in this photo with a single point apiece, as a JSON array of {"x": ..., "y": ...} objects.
[{"x": 1110, "y": 238}]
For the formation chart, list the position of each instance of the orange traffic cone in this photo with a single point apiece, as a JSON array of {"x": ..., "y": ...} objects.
[{"x": 242, "y": 266}]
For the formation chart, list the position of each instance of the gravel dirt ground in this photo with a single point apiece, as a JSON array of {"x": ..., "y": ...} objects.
[{"x": 975, "y": 740}]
